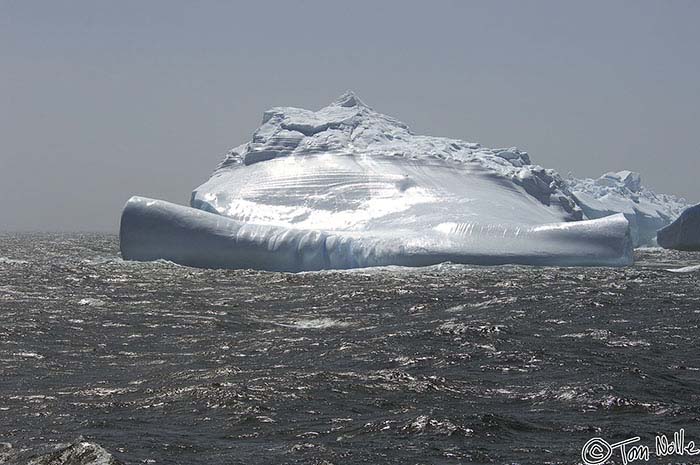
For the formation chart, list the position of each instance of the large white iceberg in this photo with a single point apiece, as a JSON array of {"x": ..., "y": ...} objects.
[{"x": 347, "y": 187}]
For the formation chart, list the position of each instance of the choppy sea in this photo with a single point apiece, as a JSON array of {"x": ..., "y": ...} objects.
[{"x": 165, "y": 364}]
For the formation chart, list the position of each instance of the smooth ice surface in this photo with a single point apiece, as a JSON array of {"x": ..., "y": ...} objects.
[
  {"x": 684, "y": 233},
  {"x": 154, "y": 229},
  {"x": 347, "y": 167},
  {"x": 623, "y": 192},
  {"x": 347, "y": 187}
]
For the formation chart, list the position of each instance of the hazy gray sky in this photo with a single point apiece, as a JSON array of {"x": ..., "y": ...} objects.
[{"x": 102, "y": 100}]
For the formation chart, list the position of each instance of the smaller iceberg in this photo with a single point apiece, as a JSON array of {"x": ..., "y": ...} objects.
[
  {"x": 623, "y": 192},
  {"x": 684, "y": 233}
]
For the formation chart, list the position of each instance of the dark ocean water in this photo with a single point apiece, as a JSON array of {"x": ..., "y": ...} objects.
[{"x": 165, "y": 364}]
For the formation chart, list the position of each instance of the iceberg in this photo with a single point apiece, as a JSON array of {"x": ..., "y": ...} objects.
[
  {"x": 348, "y": 187},
  {"x": 623, "y": 192},
  {"x": 684, "y": 233}
]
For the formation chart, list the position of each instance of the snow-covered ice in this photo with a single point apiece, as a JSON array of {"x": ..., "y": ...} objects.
[
  {"x": 623, "y": 192},
  {"x": 348, "y": 166},
  {"x": 346, "y": 187},
  {"x": 684, "y": 233}
]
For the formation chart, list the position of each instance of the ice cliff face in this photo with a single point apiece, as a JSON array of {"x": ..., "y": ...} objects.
[
  {"x": 623, "y": 192},
  {"x": 684, "y": 233},
  {"x": 347, "y": 187}
]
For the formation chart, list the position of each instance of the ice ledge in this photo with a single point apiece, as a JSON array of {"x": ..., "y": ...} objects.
[{"x": 154, "y": 229}]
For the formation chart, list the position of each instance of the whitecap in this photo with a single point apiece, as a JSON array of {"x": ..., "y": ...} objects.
[{"x": 685, "y": 269}]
